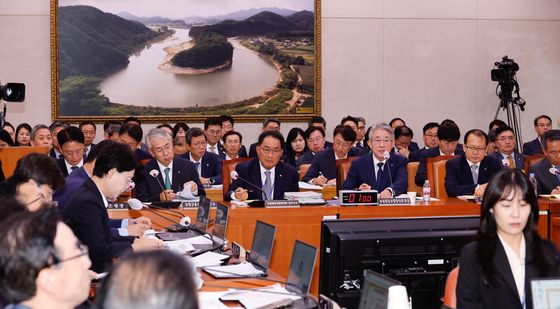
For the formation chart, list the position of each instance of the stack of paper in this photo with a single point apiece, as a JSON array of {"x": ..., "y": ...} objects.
[
  {"x": 186, "y": 245},
  {"x": 244, "y": 269},
  {"x": 305, "y": 197},
  {"x": 258, "y": 298},
  {"x": 209, "y": 259},
  {"x": 308, "y": 186}
]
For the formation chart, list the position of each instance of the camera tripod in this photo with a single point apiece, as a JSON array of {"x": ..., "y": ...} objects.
[{"x": 512, "y": 106}]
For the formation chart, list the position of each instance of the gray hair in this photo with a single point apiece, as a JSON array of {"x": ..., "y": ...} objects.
[
  {"x": 362, "y": 119},
  {"x": 37, "y": 128},
  {"x": 382, "y": 126},
  {"x": 157, "y": 133}
]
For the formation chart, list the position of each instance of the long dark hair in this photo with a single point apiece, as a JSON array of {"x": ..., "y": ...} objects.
[
  {"x": 290, "y": 156},
  {"x": 500, "y": 186}
]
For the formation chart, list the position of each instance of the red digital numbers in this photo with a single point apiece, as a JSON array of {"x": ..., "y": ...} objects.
[{"x": 351, "y": 197}]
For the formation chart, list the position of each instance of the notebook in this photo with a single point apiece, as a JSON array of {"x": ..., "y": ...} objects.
[
  {"x": 546, "y": 292},
  {"x": 301, "y": 268},
  {"x": 199, "y": 228},
  {"x": 375, "y": 290},
  {"x": 218, "y": 232}
]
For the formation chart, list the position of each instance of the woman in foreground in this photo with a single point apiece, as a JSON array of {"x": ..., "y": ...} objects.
[{"x": 496, "y": 270}]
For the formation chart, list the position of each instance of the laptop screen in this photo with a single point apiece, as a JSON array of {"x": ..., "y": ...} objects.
[
  {"x": 220, "y": 225},
  {"x": 546, "y": 292},
  {"x": 301, "y": 267},
  {"x": 375, "y": 290},
  {"x": 261, "y": 249},
  {"x": 202, "y": 214}
]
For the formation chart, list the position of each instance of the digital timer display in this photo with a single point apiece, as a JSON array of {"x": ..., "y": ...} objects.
[{"x": 351, "y": 197}]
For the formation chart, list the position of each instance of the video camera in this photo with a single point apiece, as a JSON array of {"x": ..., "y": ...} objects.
[
  {"x": 505, "y": 70},
  {"x": 12, "y": 92}
]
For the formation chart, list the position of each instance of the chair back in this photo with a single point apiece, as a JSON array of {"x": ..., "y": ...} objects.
[
  {"x": 412, "y": 168},
  {"x": 436, "y": 175},
  {"x": 227, "y": 167},
  {"x": 342, "y": 169},
  {"x": 302, "y": 170},
  {"x": 530, "y": 161},
  {"x": 450, "y": 296},
  {"x": 11, "y": 155}
]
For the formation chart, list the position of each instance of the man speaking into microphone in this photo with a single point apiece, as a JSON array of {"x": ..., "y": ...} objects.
[
  {"x": 264, "y": 177},
  {"x": 165, "y": 175},
  {"x": 381, "y": 171}
]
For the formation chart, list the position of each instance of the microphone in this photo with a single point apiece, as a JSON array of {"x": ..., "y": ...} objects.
[
  {"x": 155, "y": 173},
  {"x": 180, "y": 226},
  {"x": 505, "y": 162},
  {"x": 554, "y": 170},
  {"x": 387, "y": 155},
  {"x": 235, "y": 175}
]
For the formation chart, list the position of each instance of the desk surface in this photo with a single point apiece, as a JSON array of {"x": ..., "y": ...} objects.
[{"x": 304, "y": 223}]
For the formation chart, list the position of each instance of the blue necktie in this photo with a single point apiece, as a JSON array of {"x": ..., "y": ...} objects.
[
  {"x": 196, "y": 166},
  {"x": 267, "y": 188},
  {"x": 379, "y": 174},
  {"x": 167, "y": 180}
]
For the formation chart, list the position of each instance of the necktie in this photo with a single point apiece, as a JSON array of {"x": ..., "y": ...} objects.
[
  {"x": 74, "y": 167},
  {"x": 510, "y": 161},
  {"x": 167, "y": 180},
  {"x": 474, "y": 171},
  {"x": 267, "y": 188},
  {"x": 558, "y": 175},
  {"x": 378, "y": 177},
  {"x": 213, "y": 149},
  {"x": 359, "y": 144},
  {"x": 196, "y": 166}
]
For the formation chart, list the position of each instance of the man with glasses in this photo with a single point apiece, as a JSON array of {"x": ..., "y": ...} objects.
[
  {"x": 269, "y": 124},
  {"x": 430, "y": 138},
  {"x": 361, "y": 132},
  {"x": 208, "y": 165},
  {"x": 448, "y": 137},
  {"x": 213, "y": 132},
  {"x": 165, "y": 175},
  {"x": 71, "y": 142},
  {"x": 42, "y": 263},
  {"x": 505, "y": 148},
  {"x": 382, "y": 171},
  {"x": 469, "y": 173},
  {"x": 547, "y": 171},
  {"x": 542, "y": 123},
  {"x": 315, "y": 140},
  {"x": 323, "y": 169},
  {"x": 228, "y": 124},
  {"x": 264, "y": 177}
]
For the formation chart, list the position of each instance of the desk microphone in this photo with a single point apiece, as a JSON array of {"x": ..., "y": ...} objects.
[
  {"x": 178, "y": 226},
  {"x": 155, "y": 173},
  {"x": 235, "y": 175},
  {"x": 554, "y": 170},
  {"x": 387, "y": 155}
]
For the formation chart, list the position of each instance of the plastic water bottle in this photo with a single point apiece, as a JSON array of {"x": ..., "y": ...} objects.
[
  {"x": 533, "y": 181},
  {"x": 426, "y": 192}
]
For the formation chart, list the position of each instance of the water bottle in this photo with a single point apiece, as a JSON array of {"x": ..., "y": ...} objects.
[
  {"x": 426, "y": 192},
  {"x": 533, "y": 181}
]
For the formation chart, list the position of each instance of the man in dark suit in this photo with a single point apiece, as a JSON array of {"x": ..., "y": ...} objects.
[
  {"x": 86, "y": 210},
  {"x": 403, "y": 141},
  {"x": 323, "y": 168},
  {"x": 469, "y": 173},
  {"x": 89, "y": 129},
  {"x": 448, "y": 137},
  {"x": 208, "y": 165},
  {"x": 266, "y": 172},
  {"x": 318, "y": 121},
  {"x": 71, "y": 141},
  {"x": 430, "y": 137},
  {"x": 269, "y": 124},
  {"x": 542, "y": 123},
  {"x": 165, "y": 175},
  {"x": 231, "y": 146},
  {"x": 375, "y": 172},
  {"x": 56, "y": 127},
  {"x": 547, "y": 171},
  {"x": 228, "y": 124},
  {"x": 131, "y": 134},
  {"x": 315, "y": 140},
  {"x": 505, "y": 148}
]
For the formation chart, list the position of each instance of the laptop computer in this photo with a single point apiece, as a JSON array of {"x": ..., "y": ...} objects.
[
  {"x": 259, "y": 259},
  {"x": 301, "y": 268},
  {"x": 546, "y": 292},
  {"x": 218, "y": 232},
  {"x": 375, "y": 290},
  {"x": 199, "y": 228}
]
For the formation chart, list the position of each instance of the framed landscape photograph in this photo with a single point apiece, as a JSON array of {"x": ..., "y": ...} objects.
[{"x": 168, "y": 60}]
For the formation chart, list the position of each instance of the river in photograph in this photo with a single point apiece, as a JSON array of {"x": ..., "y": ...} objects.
[{"x": 142, "y": 83}]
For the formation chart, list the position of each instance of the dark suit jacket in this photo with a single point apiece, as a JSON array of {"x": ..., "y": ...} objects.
[
  {"x": 473, "y": 293},
  {"x": 328, "y": 145},
  {"x": 253, "y": 150},
  {"x": 87, "y": 216},
  {"x": 211, "y": 166},
  {"x": 546, "y": 182},
  {"x": 62, "y": 166},
  {"x": 52, "y": 154},
  {"x": 306, "y": 158},
  {"x": 148, "y": 188},
  {"x": 325, "y": 163},
  {"x": 74, "y": 181},
  {"x": 532, "y": 148},
  {"x": 414, "y": 156},
  {"x": 422, "y": 173},
  {"x": 363, "y": 171},
  {"x": 458, "y": 178},
  {"x": 242, "y": 151},
  {"x": 518, "y": 158},
  {"x": 285, "y": 180},
  {"x": 413, "y": 146}
]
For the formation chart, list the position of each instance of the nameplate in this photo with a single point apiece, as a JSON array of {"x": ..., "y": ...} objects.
[
  {"x": 281, "y": 203},
  {"x": 117, "y": 206},
  {"x": 394, "y": 201},
  {"x": 190, "y": 204}
]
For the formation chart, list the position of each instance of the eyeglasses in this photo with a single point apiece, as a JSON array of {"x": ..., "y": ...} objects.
[
  {"x": 475, "y": 149},
  {"x": 197, "y": 145},
  {"x": 167, "y": 147},
  {"x": 214, "y": 132},
  {"x": 544, "y": 125},
  {"x": 379, "y": 141},
  {"x": 342, "y": 144},
  {"x": 83, "y": 251},
  {"x": 506, "y": 138},
  {"x": 70, "y": 153},
  {"x": 317, "y": 139},
  {"x": 361, "y": 128},
  {"x": 273, "y": 151}
]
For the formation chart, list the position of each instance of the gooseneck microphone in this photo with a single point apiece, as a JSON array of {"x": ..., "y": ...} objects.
[
  {"x": 387, "y": 155},
  {"x": 178, "y": 226},
  {"x": 155, "y": 173},
  {"x": 235, "y": 175}
]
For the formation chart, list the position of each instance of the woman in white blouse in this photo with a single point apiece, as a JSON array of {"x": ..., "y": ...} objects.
[{"x": 496, "y": 270}]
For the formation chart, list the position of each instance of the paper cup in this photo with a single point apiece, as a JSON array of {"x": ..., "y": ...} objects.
[
  {"x": 397, "y": 298},
  {"x": 412, "y": 197}
]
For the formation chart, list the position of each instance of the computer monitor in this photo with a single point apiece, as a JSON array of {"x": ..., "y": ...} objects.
[
  {"x": 261, "y": 248},
  {"x": 202, "y": 214},
  {"x": 220, "y": 224},
  {"x": 375, "y": 290},
  {"x": 301, "y": 267},
  {"x": 545, "y": 292}
]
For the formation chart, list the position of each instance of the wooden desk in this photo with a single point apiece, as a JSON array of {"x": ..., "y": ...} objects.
[
  {"x": 216, "y": 194},
  {"x": 554, "y": 206},
  {"x": 304, "y": 223}
]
